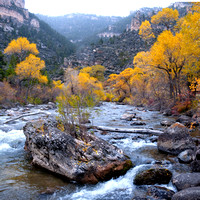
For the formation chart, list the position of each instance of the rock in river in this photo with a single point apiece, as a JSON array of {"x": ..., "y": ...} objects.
[
  {"x": 186, "y": 180},
  {"x": 186, "y": 156},
  {"x": 175, "y": 140},
  {"x": 192, "y": 193},
  {"x": 155, "y": 175},
  {"x": 84, "y": 160},
  {"x": 157, "y": 192}
]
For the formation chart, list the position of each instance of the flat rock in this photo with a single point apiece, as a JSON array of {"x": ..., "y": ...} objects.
[
  {"x": 186, "y": 180},
  {"x": 192, "y": 193}
]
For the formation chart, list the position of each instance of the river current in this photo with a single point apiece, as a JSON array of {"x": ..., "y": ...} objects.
[{"x": 20, "y": 180}]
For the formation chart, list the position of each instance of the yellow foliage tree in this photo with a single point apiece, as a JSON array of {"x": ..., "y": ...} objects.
[
  {"x": 168, "y": 54},
  {"x": 146, "y": 32},
  {"x": 90, "y": 85},
  {"x": 21, "y": 47},
  {"x": 29, "y": 71},
  {"x": 190, "y": 28},
  {"x": 166, "y": 17},
  {"x": 121, "y": 84},
  {"x": 96, "y": 71}
]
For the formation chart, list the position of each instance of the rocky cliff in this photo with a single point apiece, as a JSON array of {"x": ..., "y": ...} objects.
[
  {"x": 15, "y": 10},
  {"x": 18, "y": 3}
]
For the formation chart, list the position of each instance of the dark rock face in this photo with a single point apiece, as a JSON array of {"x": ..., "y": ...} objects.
[
  {"x": 186, "y": 180},
  {"x": 192, "y": 193},
  {"x": 158, "y": 192},
  {"x": 84, "y": 160},
  {"x": 153, "y": 176},
  {"x": 175, "y": 140}
]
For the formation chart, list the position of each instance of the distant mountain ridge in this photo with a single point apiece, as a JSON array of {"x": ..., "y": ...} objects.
[{"x": 77, "y": 27}]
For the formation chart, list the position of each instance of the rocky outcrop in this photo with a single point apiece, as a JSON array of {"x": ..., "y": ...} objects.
[
  {"x": 15, "y": 9},
  {"x": 186, "y": 180},
  {"x": 155, "y": 175},
  {"x": 35, "y": 23},
  {"x": 5, "y": 12},
  {"x": 175, "y": 140},
  {"x": 192, "y": 193},
  {"x": 84, "y": 159},
  {"x": 18, "y": 3}
]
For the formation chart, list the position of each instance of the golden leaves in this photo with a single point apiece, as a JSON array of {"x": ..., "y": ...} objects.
[
  {"x": 21, "y": 46},
  {"x": 167, "y": 16},
  {"x": 30, "y": 68},
  {"x": 146, "y": 31}
]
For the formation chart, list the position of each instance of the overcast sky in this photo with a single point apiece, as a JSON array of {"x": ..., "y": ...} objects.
[{"x": 98, "y": 7}]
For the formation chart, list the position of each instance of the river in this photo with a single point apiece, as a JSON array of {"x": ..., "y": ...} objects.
[{"x": 20, "y": 180}]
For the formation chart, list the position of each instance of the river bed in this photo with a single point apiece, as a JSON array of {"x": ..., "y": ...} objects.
[{"x": 20, "y": 180}]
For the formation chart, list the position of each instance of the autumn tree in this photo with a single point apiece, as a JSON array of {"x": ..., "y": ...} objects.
[
  {"x": 168, "y": 54},
  {"x": 190, "y": 28},
  {"x": 96, "y": 71},
  {"x": 121, "y": 84},
  {"x": 166, "y": 17},
  {"x": 82, "y": 83},
  {"x": 146, "y": 32},
  {"x": 21, "y": 48},
  {"x": 29, "y": 71}
]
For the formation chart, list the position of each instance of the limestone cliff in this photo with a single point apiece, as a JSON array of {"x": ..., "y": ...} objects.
[
  {"x": 15, "y": 9},
  {"x": 18, "y": 3}
]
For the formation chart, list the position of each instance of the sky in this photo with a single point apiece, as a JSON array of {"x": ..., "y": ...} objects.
[{"x": 98, "y": 7}]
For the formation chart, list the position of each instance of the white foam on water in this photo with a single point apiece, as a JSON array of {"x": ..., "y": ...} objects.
[
  {"x": 129, "y": 143},
  {"x": 122, "y": 184},
  {"x": 4, "y": 147},
  {"x": 11, "y": 139}
]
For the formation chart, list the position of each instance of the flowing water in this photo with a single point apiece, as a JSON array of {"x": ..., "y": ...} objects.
[{"x": 20, "y": 180}]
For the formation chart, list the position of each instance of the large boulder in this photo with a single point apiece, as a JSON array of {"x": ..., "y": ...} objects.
[
  {"x": 84, "y": 159},
  {"x": 155, "y": 175},
  {"x": 186, "y": 180},
  {"x": 192, "y": 193},
  {"x": 175, "y": 139}
]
